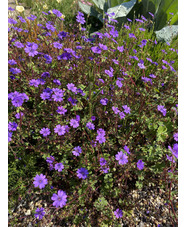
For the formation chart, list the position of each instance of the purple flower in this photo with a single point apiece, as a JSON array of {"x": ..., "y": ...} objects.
[
  {"x": 96, "y": 50},
  {"x": 40, "y": 181},
  {"x": 126, "y": 149},
  {"x": 118, "y": 213},
  {"x": 80, "y": 18},
  {"x": 22, "y": 19},
  {"x": 31, "y": 49},
  {"x": 151, "y": 14},
  {"x": 115, "y": 61},
  {"x": 141, "y": 66},
  {"x": 59, "y": 199},
  {"x": 121, "y": 114},
  {"x": 57, "y": 45},
  {"x": 57, "y": 96},
  {"x": 11, "y": 9},
  {"x": 129, "y": 20},
  {"x": 15, "y": 70},
  {"x": 126, "y": 109},
  {"x": 50, "y": 27},
  {"x": 152, "y": 76},
  {"x": 72, "y": 87},
  {"x": 118, "y": 83},
  {"x": 45, "y": 131},
  {"x": 105, "y": 169},
  {"x": 50, "y": 159},
  {"x": 57, "y": 12},
  {"x": 17, "y": 115},
  {"x": 110, "y": 72},
  {"x": 148, "y": 59},
  {"x": 101, "y": 136},
  {"x": 73, "y": 101},
  {"x": 45, "y": 74},
  {"x": 9, "y": 136},
  {"x": 78, "y": 118},
  {"x": 103, "y": 47},
  {"x": 39, "y": 213},
  {"x": 140, "y": 164},
  {"x": 57, "y": 82},
  {"x": 175, "y": 136},
  {"x": 45, "y": 95},
  {"x": 18, "y": 100},
  {"x": 12, "y": 126},
  {"x": 114, "y": 33},
  {"x": 77, "y": 151},
  {"x": 146, "y": 79},
  {"x": 82, "y": 173},
  {"x": 174, "y": 150},
  {"x": 93, "y": 118},
  {"x": 61, "y": 110},
  {"x": 34, "y": 83},
  {"x": 12, "y": 21},
  {"x": 62, "y": 34},
  {"x": 116, "y": 110},
  {"x": 142, "y": 29},
  {"x": 122, "y": 158},
  {"x": 74, "y": 123},
  {"x": 12, "y": 62},
  {"x": 131, "y": 35},
  {"x": 32, "y": 17},
  {"x": 162, "y": 109},
  {"x": 127, "y": 27},
  {"x": 48, "y": 58},
  {"x": 59, "y": 167},
  {"x": 102, "y": 162},
  {"x": 104, "y": 101},
  {"x": 143, "y": 18},
  {"x": 101, "y": 131},
  {"x": 60, "y": 130},
  {"x": 90, "y": 126},
  {"x": 144, "y": 42},
  {"x": 170, "y": 158},
  {"x": 64, "y": 56},
  {"x": 120, "y": 48}
]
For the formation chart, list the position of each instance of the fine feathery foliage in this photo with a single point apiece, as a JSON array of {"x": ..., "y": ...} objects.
[{"x": 88, "y": 116}]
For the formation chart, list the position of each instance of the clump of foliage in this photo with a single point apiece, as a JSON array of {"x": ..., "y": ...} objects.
[{"x": 87, "y": 117}]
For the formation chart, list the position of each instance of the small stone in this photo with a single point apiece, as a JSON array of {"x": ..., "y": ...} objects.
[
  {"x": 28, "y": 212},
  {"x": 141, "y": 224}
]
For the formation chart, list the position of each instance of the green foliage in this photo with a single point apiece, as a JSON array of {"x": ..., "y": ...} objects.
[
  {"x": 119, "y": 8},
  {"x": 161, "y": 10}
]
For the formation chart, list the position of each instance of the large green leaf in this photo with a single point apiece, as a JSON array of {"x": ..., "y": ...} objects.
[
  {"x": 118, "y": 2},
  {"x": 90, "y": 11},
  {"x": 163, "y": 15},
  {"x": 100, "y": 4},
  {"x": 161, "y": 10},
  {"x": 122, "y": 10}
]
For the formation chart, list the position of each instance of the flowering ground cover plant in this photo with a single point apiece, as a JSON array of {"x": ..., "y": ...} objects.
[{"x": 89, "y": 117}]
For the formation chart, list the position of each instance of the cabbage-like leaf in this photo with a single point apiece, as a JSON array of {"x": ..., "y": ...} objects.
[
  {"x": 99, "y": 3},
  {"x": 167, "y": 33},
  {"x": 90, "y": 11},
  {"x": 161, "y": 10},
  {"x": 122, "y": 10}
]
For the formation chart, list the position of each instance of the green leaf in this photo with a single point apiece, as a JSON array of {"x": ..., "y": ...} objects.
[
  {"x": 90, "y": 11},
  {"x": 122, "y": 10},
  {"x": 161, "y": 10}
]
